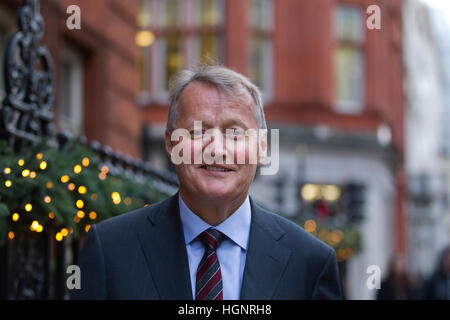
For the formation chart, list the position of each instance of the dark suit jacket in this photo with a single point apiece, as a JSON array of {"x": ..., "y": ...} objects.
[{"x": 142, "y": 255}]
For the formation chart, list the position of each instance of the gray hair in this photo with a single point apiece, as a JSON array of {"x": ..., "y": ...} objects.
[{"x": 224, "y": 79}]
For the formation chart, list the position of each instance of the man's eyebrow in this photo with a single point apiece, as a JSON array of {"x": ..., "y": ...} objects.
[
  {"x": 227, "y": 124},
  {"x": 235, "y": 122}
]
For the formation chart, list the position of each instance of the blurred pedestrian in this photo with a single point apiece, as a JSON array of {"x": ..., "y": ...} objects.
[
  {"x": 396, "y": 286},
  {"x": 437, "y": 286}
]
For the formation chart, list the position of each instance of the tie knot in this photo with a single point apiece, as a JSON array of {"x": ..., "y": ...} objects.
[{"x": 211, "y": 238}]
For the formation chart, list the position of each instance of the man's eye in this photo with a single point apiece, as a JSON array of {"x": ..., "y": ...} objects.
[
  {"x": 196, "y": 134},
  {"x": 236, "y": 133}
]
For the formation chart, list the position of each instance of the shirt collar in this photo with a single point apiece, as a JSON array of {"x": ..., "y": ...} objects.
[{"x": 236, "y": 226}]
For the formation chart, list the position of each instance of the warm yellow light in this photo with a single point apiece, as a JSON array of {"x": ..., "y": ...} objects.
[
  {"x": 8, "y": 183},
  {"x": 32, "y": 174},
  {"x": 144, "y": 38},
  {"x": 310, "y": 226},
  {"x": 59, "y": 237},
  {"x": 127, "y": 201},
  {"x": 20, "y": 162},
  {"x": 15, "y": 216},
  {"x": 28, "y": 207},
  {"x": 92, "y": 215},
  {"x": 39, "y": 156},
  {"x": 145, "y": 205},
  {"x": 65, "y": 178},
  {"x": 88, "y": 226},
  {"x": 43, "y": 165},
  {"x": 39, "y": 228},
  {"x": 71, "y": 186},
  {"x": 7, "y": 170},
  {"x": 34, "y": 225},
  {"x": 116, "y": 198},
  {"x": 337, "y": 236},
  {"x": 11, "y": 235},
  {"x": 85, "y": 161},
  {"x": 102, "y": 176},
  {"x": 82, "y": 189},
  {"x": 331, "y": 192},
  {"x": 51, "y": 215},
  {"x": 25, "y": 173},
  {"x": 310, "y": 192},
  {"x": 79, "y": 204},
  {"x": 104, "y": 169},
  {"x": 76, "y": 219},
  {"x": 77, "y": 169},
  {"x": 71, "y": 230},
  {"x": 64, "y": 232},
  {"x": 80, "y": 214},
  {"x": 47, "y": 199},
  {"x": 49, "y": 185}
]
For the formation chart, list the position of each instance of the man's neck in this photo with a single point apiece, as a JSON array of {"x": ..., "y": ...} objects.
[{"x": 212, "y": 211}]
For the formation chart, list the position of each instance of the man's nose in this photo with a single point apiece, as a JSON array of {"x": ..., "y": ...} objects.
[{"x": 217, "y": 145}]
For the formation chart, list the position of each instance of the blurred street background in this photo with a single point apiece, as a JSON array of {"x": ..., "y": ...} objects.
[{"x": 363, "y": 114}]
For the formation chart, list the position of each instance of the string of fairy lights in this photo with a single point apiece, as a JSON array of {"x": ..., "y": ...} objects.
[
  {"x": 33, "y": 217},
  {"x": 80, "y": 194},
  {"x": 35, "y": 224}
]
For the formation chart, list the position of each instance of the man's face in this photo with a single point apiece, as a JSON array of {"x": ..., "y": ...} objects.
[{"x": 225, "y": 178}]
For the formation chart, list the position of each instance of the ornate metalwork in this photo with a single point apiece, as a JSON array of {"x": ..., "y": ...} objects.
[
  {"x": 28, "y": 268},
  {"x": 26, "y": 116}
]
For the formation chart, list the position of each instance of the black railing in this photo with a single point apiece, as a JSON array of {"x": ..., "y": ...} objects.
[{"x": 33, "y": 267}]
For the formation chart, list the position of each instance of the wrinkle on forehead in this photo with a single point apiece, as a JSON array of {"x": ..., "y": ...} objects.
[{"x": 239, "y": 95}]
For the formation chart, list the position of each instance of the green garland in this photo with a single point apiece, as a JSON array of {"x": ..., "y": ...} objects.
[
  {"x": 345, "y": 239},
  {"x": 26, "y": 179},
  {"x": 63, "y": 190}
]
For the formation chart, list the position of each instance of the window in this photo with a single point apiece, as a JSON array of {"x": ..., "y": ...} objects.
[
  {"x": 70, "y": 95},
  {"x": 260, "y": 51},
  {"x": 349, "y": 59},
  {"x": 185, "y": 33}
]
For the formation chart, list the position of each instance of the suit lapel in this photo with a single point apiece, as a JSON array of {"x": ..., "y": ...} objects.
[
  {"x": 266, "y": 257},
  {"x": 162, "y": 241}
]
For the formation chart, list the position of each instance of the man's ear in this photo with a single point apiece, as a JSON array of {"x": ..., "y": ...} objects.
[
  {"x": 169, "y": 144},
  {"x": 262, "y": 146}
]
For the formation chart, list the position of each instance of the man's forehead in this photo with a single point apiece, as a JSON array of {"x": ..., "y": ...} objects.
[{"x": 198, "y": 92}]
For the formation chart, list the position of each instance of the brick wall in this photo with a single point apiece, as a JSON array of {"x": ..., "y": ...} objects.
[{"x": 106, "y": 41}]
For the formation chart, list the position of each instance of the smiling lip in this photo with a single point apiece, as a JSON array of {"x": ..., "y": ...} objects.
[{"x": 216, "y": 168}]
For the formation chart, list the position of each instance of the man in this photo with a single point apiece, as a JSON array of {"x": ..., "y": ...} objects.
[{"x": 210, "y": 240}]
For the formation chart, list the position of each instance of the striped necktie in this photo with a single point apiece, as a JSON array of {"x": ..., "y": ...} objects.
[{"x": 208, "y": 284}]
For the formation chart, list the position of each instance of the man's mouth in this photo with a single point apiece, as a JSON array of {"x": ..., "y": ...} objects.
[{"x": 215, "y": 168}]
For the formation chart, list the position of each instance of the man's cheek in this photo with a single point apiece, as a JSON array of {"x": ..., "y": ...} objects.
[
  {"x": 242, "y": 153},
  {"x": 196, "y": 149},
  {"x": 182, "y": 152}
]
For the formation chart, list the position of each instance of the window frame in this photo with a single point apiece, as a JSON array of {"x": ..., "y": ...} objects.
[
  {"x": 189, "y": 33},
  {"x": 266, "y": 34},
  {"x": 355, "y": 106},
  {"x": 76, "y": 89}
]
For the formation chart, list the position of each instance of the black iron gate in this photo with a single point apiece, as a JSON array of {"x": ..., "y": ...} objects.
[{"x": 33, "y": 266}]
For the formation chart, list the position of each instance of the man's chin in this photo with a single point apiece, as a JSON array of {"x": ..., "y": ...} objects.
[{"x": 217, "y": 193}]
